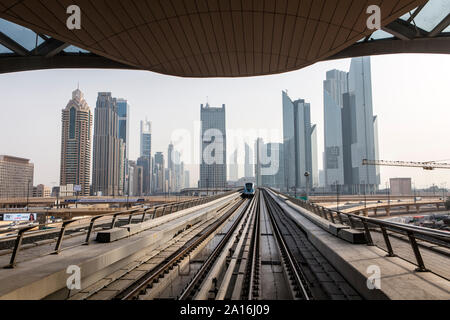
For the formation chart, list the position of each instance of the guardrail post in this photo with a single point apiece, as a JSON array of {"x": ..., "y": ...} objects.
[
  {"x": 331, "y": 216},
  {"x": 367, "y": 231},
  {"x": 143, "y": 215},
  {"x": 352, "y": 224},
  {"x": 388, "y": 242},
  {"x": 60, "y": 237},
  {"x": 91, "y": 227},
  {"x": 415, "y": 247},
  {"x": 19, "y": 239},
  {"x": 113, "y": 222},
  {"x": 339, "y": 217}
]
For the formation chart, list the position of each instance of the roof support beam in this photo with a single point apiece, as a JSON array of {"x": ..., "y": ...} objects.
[
  {"x": 440, "y": 45},
  {"x": 402, "y": 30},
  {"x": 50, "y": 48},
  {"x": 12, "y": 45},
  {"x": 440, "y": 27},
  {"x": 419, "y": 8},
  {"x": 11, "y": 63}
]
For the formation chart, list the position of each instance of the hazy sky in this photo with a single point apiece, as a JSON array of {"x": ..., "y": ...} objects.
[{"x": 411, "y": 96}]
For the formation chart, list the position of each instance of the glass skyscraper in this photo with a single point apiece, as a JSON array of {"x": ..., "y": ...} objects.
[
  {"x": 106, "y": 172},
  {"x": 351, "y": 132},
  {"x": 123, "y": 111},
  {"x": 213, "y": 167},
  {"x": 300, "y": 144}
]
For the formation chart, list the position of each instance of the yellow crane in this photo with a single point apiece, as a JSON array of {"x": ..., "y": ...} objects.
[{"x": 428, "y": 165}]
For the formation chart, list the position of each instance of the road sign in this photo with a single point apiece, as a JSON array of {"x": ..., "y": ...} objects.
[{"x": 77, "y": 188}]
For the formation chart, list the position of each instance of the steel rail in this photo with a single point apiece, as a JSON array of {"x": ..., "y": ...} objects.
[
  {"x": 441, "y": 238},
  {"x": 135, "y": 289},
  {"x": 204, "y": 269},
  {"x": 255, "y": 251},
  {"x": 292, "y": 264}
]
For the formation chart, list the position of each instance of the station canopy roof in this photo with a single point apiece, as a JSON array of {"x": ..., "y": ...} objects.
[{"x": 213, "y": 38}]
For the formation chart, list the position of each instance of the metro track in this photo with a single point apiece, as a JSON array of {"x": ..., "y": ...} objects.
[{"x": 250, "y": 249}]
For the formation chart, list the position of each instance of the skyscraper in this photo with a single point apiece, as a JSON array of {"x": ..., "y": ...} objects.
[
  {"x": 159, "y": 173},
  {"x": 300, "y": 143},
  {"x": 248, "y": 167},
  {"x": 76, "y": 143},
  {"x": 259, "y": 156},
  {"x": 334, "y": 87},
  {"x": 234, "y": 168},
  {"x": 146, "y": 138},
  {"x": 123, "y": 111},
  {"x": 364, "y": 146},
  {"x": 170, "y": 168},
  {"x": 16, "y": 177},
  {"x": 273, "y": 171},
  {"x": 351, "y": 132},
  {"x": 107, "y": 147},
  {"x": 145, "y": 160},
  {"x": 213, "y": 167}
]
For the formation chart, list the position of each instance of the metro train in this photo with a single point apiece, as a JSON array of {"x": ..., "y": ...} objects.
[{"x": 249, "y": 190}]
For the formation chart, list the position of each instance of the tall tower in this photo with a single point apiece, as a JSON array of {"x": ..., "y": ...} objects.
[
  {"x": 76, "y": 143},
  {"x": 123, "y": 111},
  {"x": 159, "y": 173},
  {"x": 146, "y": 138},
  {"x": 107, "y": 147},
  {"x": 213, "y": 167},
  {"x": 365, "y": 143},
  {"x": 299, "y": 144},
  {"x": 248, "y": 168},
  {"x": 145, "y": 160},
  {"x": 334, "y": 87},
  {"x": 234, "y": 166}
]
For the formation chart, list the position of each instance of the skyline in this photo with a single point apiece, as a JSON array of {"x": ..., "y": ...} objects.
[{"x": 413, "y": 87}]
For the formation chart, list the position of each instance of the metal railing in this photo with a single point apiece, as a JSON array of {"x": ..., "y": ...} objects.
[
  {"x": 157, "y": 211},
  {"x": 413, "y": 233}
]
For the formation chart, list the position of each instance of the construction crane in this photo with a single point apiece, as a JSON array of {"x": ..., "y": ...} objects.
[{"x": 429, "y": 165}]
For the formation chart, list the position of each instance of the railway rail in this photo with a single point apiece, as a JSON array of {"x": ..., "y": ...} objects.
[{"x": 232, "y": 248}]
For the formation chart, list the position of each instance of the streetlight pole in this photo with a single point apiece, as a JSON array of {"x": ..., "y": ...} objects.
[
  {"x": 365, "y": 199},
  {"x": 28, "y": 192},
  {"x": 307, "y": 184},
  {"x": 337, "y": 196}
]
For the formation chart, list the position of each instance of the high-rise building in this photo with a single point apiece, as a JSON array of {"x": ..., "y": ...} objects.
[
  {"x": 351, "y": 129},
  {"x": 248, "y": 166},
  {"x": 187, "y": 182},
  {"x": 136, "y": 179},
  {"x": 145, "y": 160},
  {"x": 272, "y": 172},
  {"x": 106, "y": 169},
  {"x": 213, "y": 167},
  {"x": 123, "y": 111},
  {"x": 259, "y": 157},
  {"x": 146, "y": 138},
  {"x": 233, "y": 166},
  {"x": 160, "y": 184},
  {"x": 16, "y": 177},
  {"x": 144, "y": 163},
  {"x": 300, "y": 144},
  {"x": 334, "y": 87},
  {"x": 76, "y": 143},
  {"x": 363, "y": 147},
  {"x": 170, "y": 168}
]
